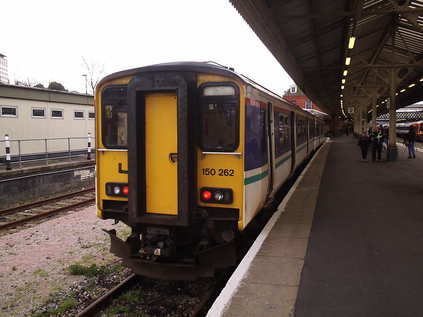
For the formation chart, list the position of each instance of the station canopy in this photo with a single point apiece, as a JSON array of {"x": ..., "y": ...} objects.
[{"x": 344, "y": 52}]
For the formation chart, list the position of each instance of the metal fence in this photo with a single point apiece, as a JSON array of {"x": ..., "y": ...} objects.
[{"x": 16, "y": 152}]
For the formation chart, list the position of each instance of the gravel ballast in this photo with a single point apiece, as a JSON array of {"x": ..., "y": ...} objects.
[{"x": 34, "y": 261}]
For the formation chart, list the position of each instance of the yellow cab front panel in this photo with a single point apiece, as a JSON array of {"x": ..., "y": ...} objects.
[
  {"x": 112, "y": 157},
  {"x": 217, "y": 168}
]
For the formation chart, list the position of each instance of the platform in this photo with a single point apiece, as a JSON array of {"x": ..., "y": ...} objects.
[{"x": 348, "y": 243}]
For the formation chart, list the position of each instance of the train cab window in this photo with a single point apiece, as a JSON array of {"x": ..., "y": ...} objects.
[
  {"x": 219, "y": 112},
  {"x": 115, "y": 117}
]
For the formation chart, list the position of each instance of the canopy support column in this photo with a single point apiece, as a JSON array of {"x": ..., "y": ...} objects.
[
  {"x": 374, "y": 113},
  {"x": 392, "y": 142}
]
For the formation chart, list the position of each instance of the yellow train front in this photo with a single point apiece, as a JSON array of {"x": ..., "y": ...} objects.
[{"x": 179, "y": 148}]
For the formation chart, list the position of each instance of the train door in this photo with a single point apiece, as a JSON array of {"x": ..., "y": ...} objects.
[
  {"x": 271, "y": 145},
  {"x": 160, "y": 149},
  {"x": 161, "y": 144},
  {"x": 308, "y": 135},
  {"x": 293, "y": 139}
]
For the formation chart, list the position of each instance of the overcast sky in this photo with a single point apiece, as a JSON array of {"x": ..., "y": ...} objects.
[{"x": 45, "y": 40}]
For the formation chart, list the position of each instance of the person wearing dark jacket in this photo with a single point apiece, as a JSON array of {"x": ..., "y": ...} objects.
[
  {"x": 411, "y": 139},
  {"x": 363, "y": 143},
  {"x": 377, "y": 144}
]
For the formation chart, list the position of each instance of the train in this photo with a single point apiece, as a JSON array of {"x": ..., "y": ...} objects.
[
  {"x": 188, "y": 153},
  {"x": 404, "y": 127}
]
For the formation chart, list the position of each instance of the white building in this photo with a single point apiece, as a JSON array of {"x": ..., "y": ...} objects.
[
  {"x": 33, "y": 113},
  {"x": 4, "y": 77}
]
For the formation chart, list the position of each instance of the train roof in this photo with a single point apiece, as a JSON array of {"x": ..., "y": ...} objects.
[{"x": 206, "y": 67}]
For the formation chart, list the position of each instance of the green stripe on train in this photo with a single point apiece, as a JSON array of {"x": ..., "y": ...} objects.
[
  {"x": 282, "y": 161},
  {"x": 255, "y": 178}
]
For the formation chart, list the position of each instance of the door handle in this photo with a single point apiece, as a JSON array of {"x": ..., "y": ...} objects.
[{"x": 173, "y": 157}]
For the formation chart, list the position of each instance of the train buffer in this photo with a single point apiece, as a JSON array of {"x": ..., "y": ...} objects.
[{"x": 348, "y": 242}]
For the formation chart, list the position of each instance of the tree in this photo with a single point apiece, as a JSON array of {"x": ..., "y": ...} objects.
[
  {"x": 26, "y": 82},
  {"x": 56, "y": 86},
  {"x": 39, "y": 85},
  {"x": 94, "y": 70}
]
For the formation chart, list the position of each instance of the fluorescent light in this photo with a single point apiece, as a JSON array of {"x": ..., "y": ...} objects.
[
  {"x": 345, "y": 73},
  {"x": 396, "y": 94},
  {"x": 341, "y": 95},
  {"x": 343, "y": 80},
  {"x": 402, "y": 90},
  {"x": 412, "y": 85},
  {"x": 421, "y": 79},
  {"x": 351, "y": 42},
  {"x": 342, "y": 87},
  {"x": 348, "y": 61}
]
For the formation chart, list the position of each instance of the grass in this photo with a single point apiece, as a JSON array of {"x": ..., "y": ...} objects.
[
  {"x": 67, "y": 304},
  {"x": 40, "y": 273},
  {"x": 132, "y": 296},
  {"x": 93, "y": 270},
  {"x": 89, "y": 271}
]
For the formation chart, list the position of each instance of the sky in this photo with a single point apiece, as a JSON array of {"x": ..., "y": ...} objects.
[{"x": 46, "y": 40}]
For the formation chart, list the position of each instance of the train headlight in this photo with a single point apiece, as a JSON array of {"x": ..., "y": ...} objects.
[
  {"x": 116, "y": 190},
  {"x": 216, "y": 195}
]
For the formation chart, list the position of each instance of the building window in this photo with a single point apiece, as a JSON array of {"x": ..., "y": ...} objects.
[
  {"x": 57, "y": 113},
  {"x": 78, "y": 114},
  {"x": 91, "y": 115},
  {"x": 38, "y": 113},
  {"x": 293, "y": 89},
  {"x": 8, "y": 111},
  {"x": 308, "y": 104}
]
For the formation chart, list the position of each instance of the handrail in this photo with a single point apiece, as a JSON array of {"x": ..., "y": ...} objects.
[{"x": 41, "y": 151}]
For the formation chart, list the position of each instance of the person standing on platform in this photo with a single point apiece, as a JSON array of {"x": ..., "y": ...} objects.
[
  {"x": 363, "y": 143},
  {"x": 377, "y": 140},
  {"x": 411, "y": 139}
]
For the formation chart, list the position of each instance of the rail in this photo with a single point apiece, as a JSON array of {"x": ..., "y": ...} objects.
[{"x": 20, "y": 151}]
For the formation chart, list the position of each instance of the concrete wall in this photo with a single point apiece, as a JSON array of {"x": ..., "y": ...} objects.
[{"x": 36, "y": 184}]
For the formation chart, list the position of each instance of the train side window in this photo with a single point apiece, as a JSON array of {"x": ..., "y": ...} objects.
[
  {"x": 219, "y": 117},
  {"x": 282, "y": 134},
  {"x": 115, "y": 117}
]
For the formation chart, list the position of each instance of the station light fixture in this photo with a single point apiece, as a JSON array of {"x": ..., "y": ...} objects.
[
  {"x": 345, "y": 73},
  {"x": 402, "y": 90},
  {"x": 396, "y": 94},
  {"x": 347, "y": 61},
  {"x": 421, "y": 79},
  {"x": 343, "y": 80},
  {"x": 342, "y": 87},
  {"x": 341, "y": 95},
  {"x": 351, "y": 42},
  {"x": 411, "y": 85}
]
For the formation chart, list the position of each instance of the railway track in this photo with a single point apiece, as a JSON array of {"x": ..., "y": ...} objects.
[
  {"x": 17, "y": 216},
  {"x": 134, "y": 282}
]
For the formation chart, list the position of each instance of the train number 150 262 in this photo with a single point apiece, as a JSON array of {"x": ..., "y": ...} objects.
[{"x": 220, "y": 172}]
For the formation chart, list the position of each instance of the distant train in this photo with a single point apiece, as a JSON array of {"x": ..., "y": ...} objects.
[
  {"x": 403, "y": 128},
  {"x": 187, "y": 155}
]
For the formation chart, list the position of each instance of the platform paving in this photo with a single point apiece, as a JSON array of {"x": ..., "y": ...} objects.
[
  {"x": 365, "y": 256},
  {"x": 350, "y": 242}
]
